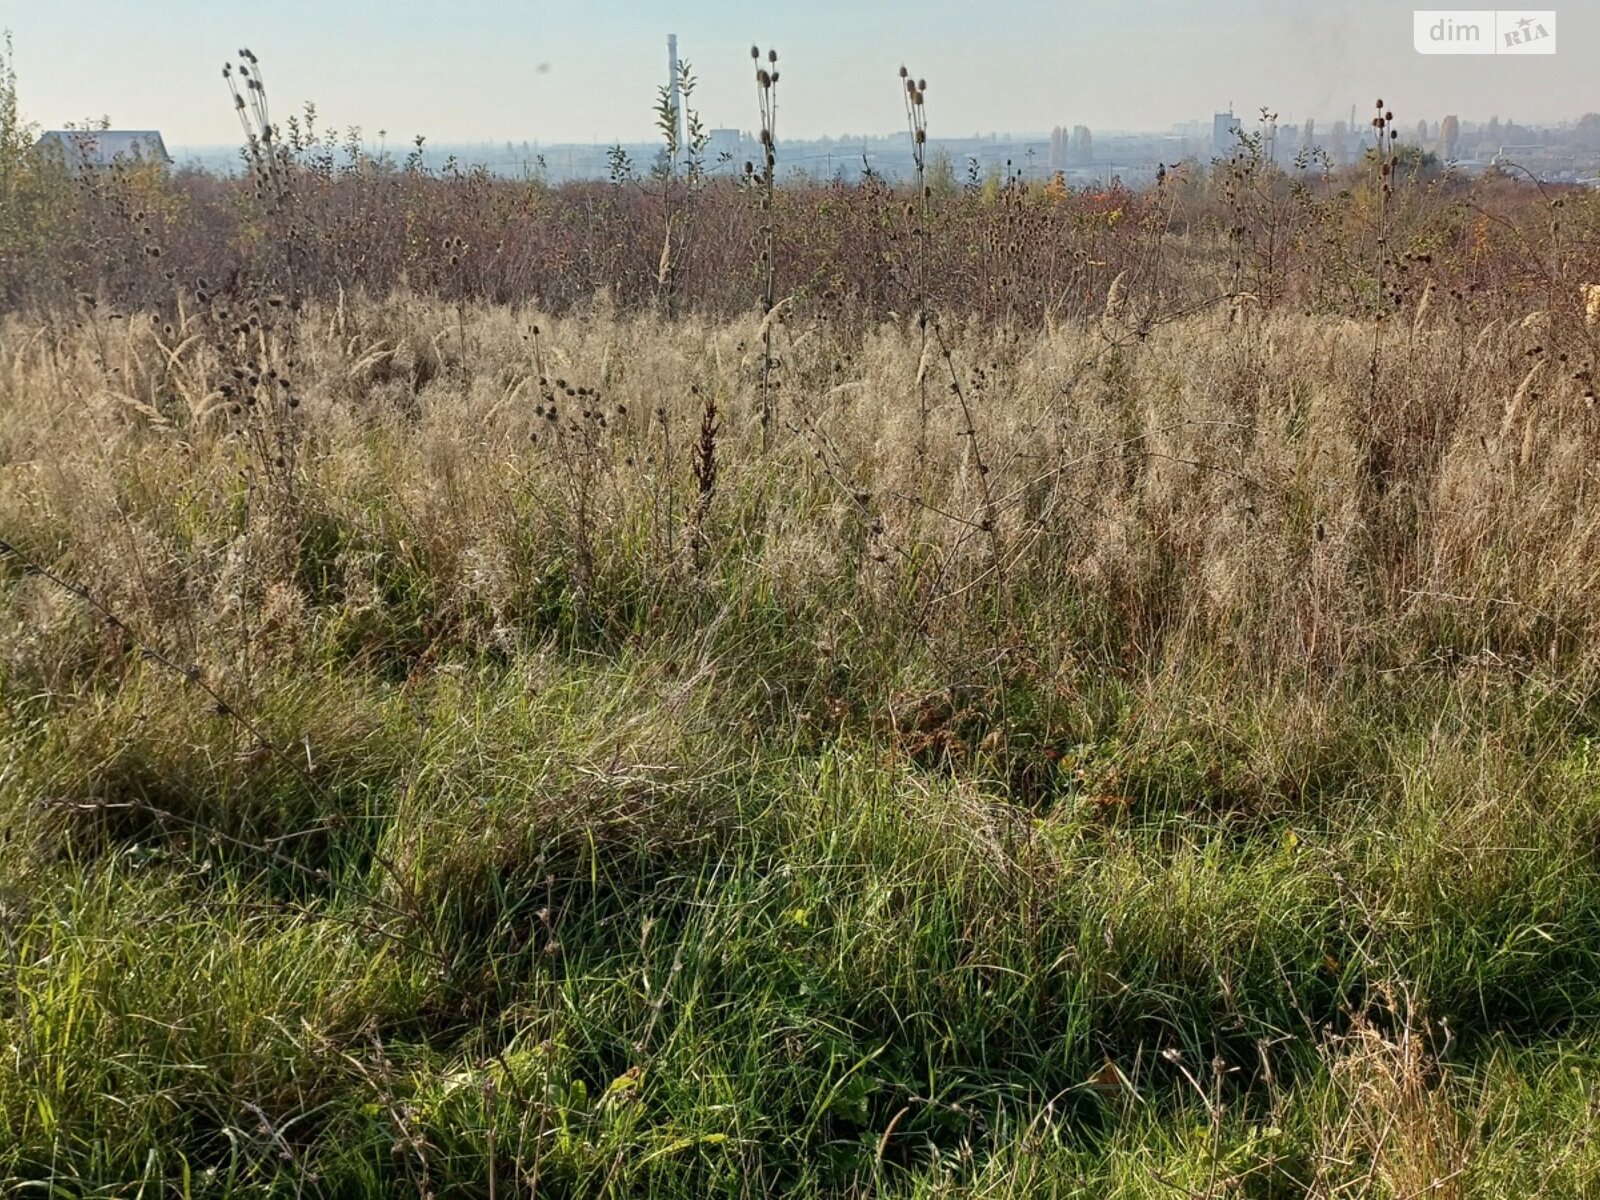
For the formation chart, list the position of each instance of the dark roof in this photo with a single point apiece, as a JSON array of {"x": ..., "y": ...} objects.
[{"x": 102, "y": 147}]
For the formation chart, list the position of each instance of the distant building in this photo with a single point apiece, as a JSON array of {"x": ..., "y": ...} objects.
[
  {"x": 93, "y": 149},
  {"x": 1224, "y": 134},
  {"x": 1080, "y": 146}
]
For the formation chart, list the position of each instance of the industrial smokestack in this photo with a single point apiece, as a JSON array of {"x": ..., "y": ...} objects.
[{"x": 676, "y": 93}]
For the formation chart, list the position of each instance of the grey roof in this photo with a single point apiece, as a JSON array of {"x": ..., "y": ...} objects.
[{"x": 101, "y": 147}]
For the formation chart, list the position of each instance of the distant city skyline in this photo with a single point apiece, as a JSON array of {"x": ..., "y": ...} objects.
[
  {"x": 486, "y": 71},
  {"x": 1564, "y": 152},
  {"x": 1193, "y": 126}
]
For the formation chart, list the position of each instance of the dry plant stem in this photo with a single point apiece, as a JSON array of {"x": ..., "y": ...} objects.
[
  {"x": 989, "y": 521},
  {"x": 705, "y": 475},
  {"x": 1386, "y": 163},
  {"x": 270, "y": 161},
  {"x": 767, "y": 99},
  {"x": 998, "y": 592},
  {"x": 917, "y": 125}
]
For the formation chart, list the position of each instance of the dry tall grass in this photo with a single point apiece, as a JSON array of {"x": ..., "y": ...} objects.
[{"x": 1201, "y": 486}]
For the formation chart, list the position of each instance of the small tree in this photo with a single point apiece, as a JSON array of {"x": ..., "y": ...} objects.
[
  {"x": 1449, "y": 137},
  {"x": 686, "y": 139},
  {"x": 34, "y": 191},
  {"x": 16, "y": 135},
  {"x": 942, "y": 175}
]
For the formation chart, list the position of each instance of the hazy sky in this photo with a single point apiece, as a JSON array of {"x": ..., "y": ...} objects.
[{"x": 539, "y": 70}]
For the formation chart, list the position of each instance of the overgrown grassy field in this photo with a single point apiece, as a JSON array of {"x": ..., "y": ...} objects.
[
  {"x": 441, "y": 753},
  {"x": 688, "y": 687}
]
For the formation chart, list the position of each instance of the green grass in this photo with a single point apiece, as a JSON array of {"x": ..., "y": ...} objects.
[{"x": 826, "y": 969}]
